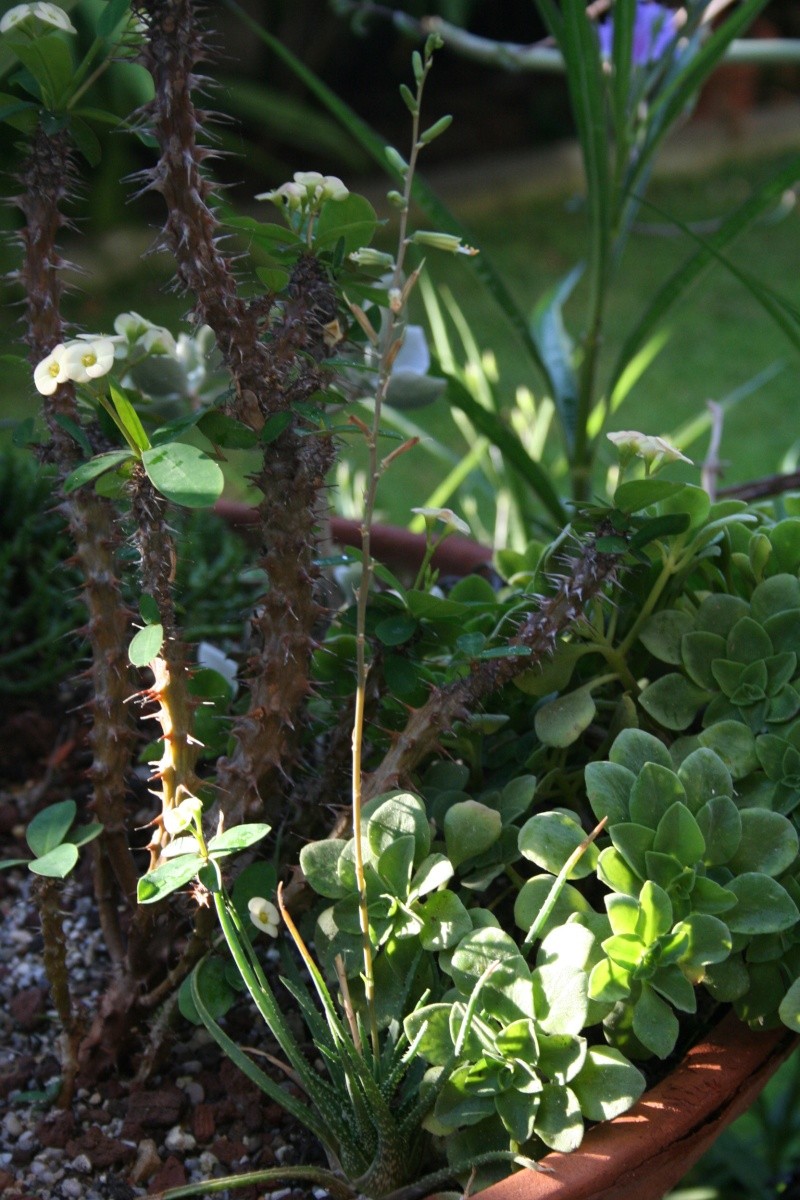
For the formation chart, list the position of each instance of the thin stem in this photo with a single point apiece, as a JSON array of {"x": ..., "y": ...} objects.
[{"x": 374, "y": 472}]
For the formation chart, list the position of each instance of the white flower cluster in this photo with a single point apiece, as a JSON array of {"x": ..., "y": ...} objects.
[
  {"x": 308, "y": 189},
  {"x": 88, "y": 357},
  {"x": 46, "y": 14}
]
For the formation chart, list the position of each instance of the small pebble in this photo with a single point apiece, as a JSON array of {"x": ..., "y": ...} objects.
[
  {"x": 72, "y": 1189},
  {"x": 207, "y": 1162},
  {"x": 12, "y": 1125},
  {"x": 81, "y": 1164},
  {"x": 179, "y": 1139}
]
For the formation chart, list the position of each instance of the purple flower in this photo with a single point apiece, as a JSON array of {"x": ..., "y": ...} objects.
[{"x": 654, "y": 29}]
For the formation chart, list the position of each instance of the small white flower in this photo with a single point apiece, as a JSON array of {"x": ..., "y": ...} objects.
[
  {"x": 86, "y": 359},
  {"x": 446, "y": 515},
  {"x": 264, "y": 915},
  {"x": 333, "y": 188},
  {"x": 310, "y": 180},
  {"x": 632, "y": 444},
  {"x": 413, "y": 357},
  {"x": 50, "y": 371},
  {"x": 368, "y": 256},
  {"x": 183, "y": 815},
  {"x": 48, "y": 14},
  {"x": 158, "y": 340},
  {"x": 131, "y": 325},
  {"x": 213, "y": 659},
  {"x": 290, "y": 194}
]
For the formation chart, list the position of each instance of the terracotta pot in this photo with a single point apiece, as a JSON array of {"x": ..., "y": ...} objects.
[
  {"x": 648, "y": 1150},
  {"x": 398, "y": 549}
]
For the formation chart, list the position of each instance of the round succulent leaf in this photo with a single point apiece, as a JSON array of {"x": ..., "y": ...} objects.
[
  {"x": 608, "y": 1084},
  {"x": 769, "y": 843},
  {"x": 145, "y": 645},
  {"x": 742, "y": 684},
  {"x": 654, "y": 1022},
  {"x": 662, "y": 632},
  {"x": 398, "y": 815},
  {"x": 679, "y": 834},
  {"x": 560, "y": 997},
  {"x": 635, "y": 494},
  {"x": 319, "y": 862},
  {"x": 704, "y": 776},
  {"x": 654, "y": 792},
  {"x": 780, "y": 669},
  {"x": 760, "y": 1003},
  {"x": 432, "y": 1025},
  {"x": 396, "y": 865},
  {"x": 765, "y": 947},
  {"x": 672, "y": 985},
  {"x": 50, "y": 827},
  {"x": 238, "y": 837},
  {"x": 671, "y": 874},
  {"x": 699, "y": 651},
  {"x": 554, "y": 674},
  {"x": 633, "y": 842},
  {"x": 781, "y": 592},
  {"x": 720, "y": 823},
  {"x": 352, "y": 219},
  {"x": 481, "y": 949},
  {"x": 558, "y": 1120},
  {"x": 432, "y": 873},
  {"x": 735, "y": 744},
  {"x": 615, "y": 873},
  {"x": 215, "y": 991},
  {"x": 548, "y": 839},
  {"x": 470, "y": 828},
  {"x": 562, "y": 722},
  {"x": 561, "y": 1056},
  {"x": 656, "y": 909},
  {"x": 517, "y": 1111},
  {"x": 762, "y": 905},
  {"x": 673, "y": 701},
  {"x": 609, "y": 982},
  {"x": 633, "y": 748},
  {"x": 395, "y": 630},
  {"x": 519, "y": 1040},
  {"x": 782, "y": 707},
  {"x": 784, "y": 631},
  {"x": 747, "y": 641},
  {"x": 445, "y": 921},
  {"x": 517, "y": 797},
  {"x": 624, "y": 914},
  {"x": 719, "y": 612},
  {"x": 458, "y": 1105},
  {"x": 608, "y": 787},
  {"x": 711, "y": 897},
  {"x": 789, "y": 1008},
  {"x": 532, "y": 896},
  {"x": 708, "y": 940},
  {"x": 728, "y": 980},
  {"x": 56, "y": 863}
]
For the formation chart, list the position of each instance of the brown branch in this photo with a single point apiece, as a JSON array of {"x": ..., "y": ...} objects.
[{"x": 759, "y": 489}]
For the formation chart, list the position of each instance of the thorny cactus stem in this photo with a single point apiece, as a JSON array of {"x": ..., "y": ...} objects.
[
  {"x": 174, "y": 771},
  {"x": 46, "y": 178},
  {"x": 269, "y": 376},
  {"x": 47, "y": 893},
  {"x": 591, "y": 571}
]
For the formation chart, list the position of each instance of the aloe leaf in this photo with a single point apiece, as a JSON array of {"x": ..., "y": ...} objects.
[
  {"x": 672, "y": 290},
  {"x": 510, "y": 447},
  {"x": 557, "y": 349}
]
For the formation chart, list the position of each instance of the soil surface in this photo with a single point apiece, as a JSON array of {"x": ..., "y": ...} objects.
[{"x": 195, "y": 1118}]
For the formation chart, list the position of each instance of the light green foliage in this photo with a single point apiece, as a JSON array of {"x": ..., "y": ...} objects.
[{"x": 54, "y": 839}]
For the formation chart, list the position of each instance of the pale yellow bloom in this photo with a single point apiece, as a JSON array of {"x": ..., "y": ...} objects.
[
  {"x": 88, "y": 358},
  {"x": 183, "y": 815},
  {"x": 264, "y": 915},
  {"x": 48, "y": 14},
  {"x": 446, "y": 516},
  {"x": 631, "y": 443},
  {"x": 50, "y": 372}
]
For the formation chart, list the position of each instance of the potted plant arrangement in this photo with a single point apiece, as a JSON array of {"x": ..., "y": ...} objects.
[{"x": 566, "y": 845}]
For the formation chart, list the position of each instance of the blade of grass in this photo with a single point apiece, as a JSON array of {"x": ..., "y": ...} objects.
[{"x": 690, "y": 271}]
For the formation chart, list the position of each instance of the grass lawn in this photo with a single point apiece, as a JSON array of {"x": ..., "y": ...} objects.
[{"x": 718, "y": 340}]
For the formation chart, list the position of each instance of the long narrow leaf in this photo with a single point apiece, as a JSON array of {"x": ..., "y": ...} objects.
[
  {"x": 510, "y": 447},
  {"x": 675, "y": 287},
  {"x": 423, "y": 194}
]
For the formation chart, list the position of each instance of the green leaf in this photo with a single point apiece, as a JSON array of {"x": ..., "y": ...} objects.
[
  {"x": 184, "y": 474},
  {"x": 769, "y": 843},
  {"x": 274, "y": 279},
  {"x": 352, "y": 219},
  {"x": 85, "y": 140},
  {"x": 90, "y": 470},
  {"x": 436, "y": 1043},
  {"x": 114, "y": 12},
  {"x": 557, "y": 350},
  {"x": 608, "y": 787},
  {"x": 222, "y": 430},
  {"x": 562, "y": 722},
  {"x": 445, "y": 921},
  {"x": 789, "y": 1010},
  {"x": 558, "y": 1120},
  {"x": 49, "y": 60},
  {"x": 146, "y": 645},
  {"x": 395, "y": 630},
  {"x": 762, "y": 905},
  {"x": 239, "y": 837},
  {"x": 532, "y": 896},
  {"x": 633, "y": 748},
  {"x": 661, "y": 634},
  {"x": 392, "y": 817},
  {"x": 49, "y": 827},
  {"x": 615, "y": 873},
  {"x": 57, "y": 863},
  {"x": 636, "y": 494},
  {"x": 85, "y": 833},
  {"x": 704, "y": 776},
  {"x": 654, "y": 1022},
  {"x": 720, "y": 823},
  {"x": 167, "y": 878},
  {"x": 679, "y": 834},
  {"x": 548, "y": 839},
  {"x": 257, "y": 879},
  {"x": 633, "y": 842},
  {"x": 655, "y": 791},
  {"x": 673, "y": 701},
  {"x": 149, "y": 610},
  {"x": 709, "y": 940},
  {"x": 319, "y": 862},
  {"x": 215, "y": 990},
  {"x": 128, "y": 418},
  {"x": 735, "y": 745},
  {"x": 608, "y": 1084},
  {"x": 470, "y": 828}
]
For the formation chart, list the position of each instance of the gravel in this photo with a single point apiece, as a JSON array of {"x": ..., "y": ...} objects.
[{"x": 198, "y": 1120}]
